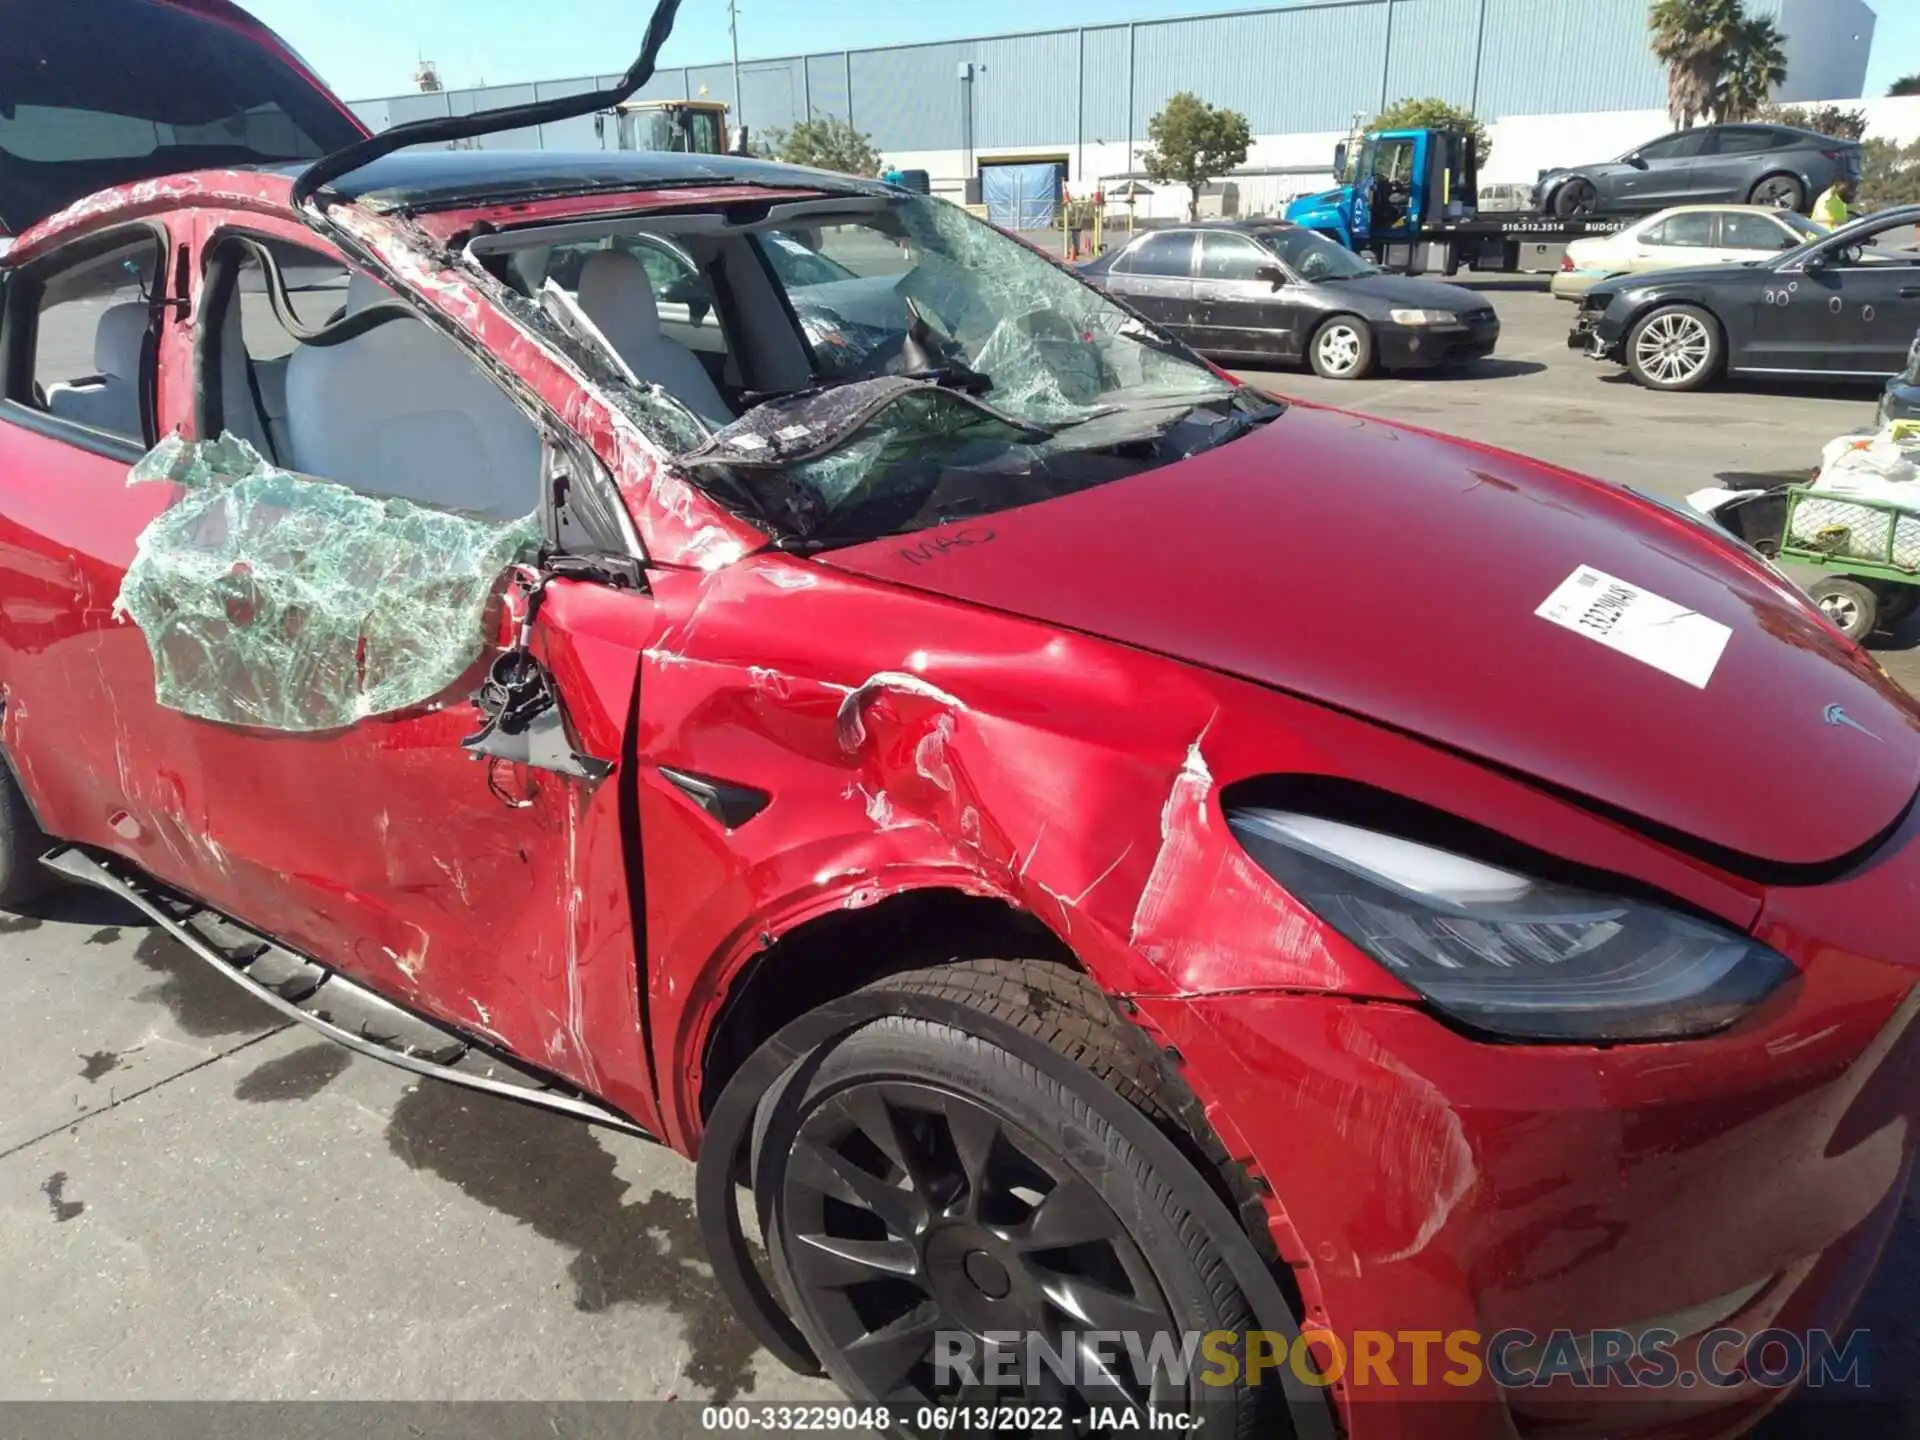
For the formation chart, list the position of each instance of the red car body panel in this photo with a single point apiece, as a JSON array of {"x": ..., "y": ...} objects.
[
  {"x": 1043, "y": 708},
  {"x": 1235, "y": 560}
]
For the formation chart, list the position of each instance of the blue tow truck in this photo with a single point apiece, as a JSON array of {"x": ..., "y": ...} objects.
[{"x": 1410, "y": 201}]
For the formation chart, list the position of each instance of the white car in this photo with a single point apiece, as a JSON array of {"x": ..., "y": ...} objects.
[{"x": 1684, "y": 235}]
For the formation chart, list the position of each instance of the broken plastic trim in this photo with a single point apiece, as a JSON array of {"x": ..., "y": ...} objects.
[
  {"x": 519, "y": 705},
  {"x": 487, "y": 122},
  {"x": 524, "y": 724}
]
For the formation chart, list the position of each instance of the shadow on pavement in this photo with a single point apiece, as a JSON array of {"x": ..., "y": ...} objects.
[{"x": 1493, "y": 369}]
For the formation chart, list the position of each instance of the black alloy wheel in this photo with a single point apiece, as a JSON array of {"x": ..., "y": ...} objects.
[
  {"x": 950, "y": 1226},
  {"x": 911, "y": 1210}
]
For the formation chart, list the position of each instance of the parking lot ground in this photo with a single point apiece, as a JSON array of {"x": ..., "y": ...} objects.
[
  {"x": 199, "y": 1203},
  {"x": 1536, "y": 396}
]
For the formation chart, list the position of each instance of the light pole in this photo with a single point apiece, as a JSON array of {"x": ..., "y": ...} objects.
[{"x": 739, "y": 100}]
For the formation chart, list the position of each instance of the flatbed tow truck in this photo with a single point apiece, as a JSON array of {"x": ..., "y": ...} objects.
[{"x": 1411, "y": 205}]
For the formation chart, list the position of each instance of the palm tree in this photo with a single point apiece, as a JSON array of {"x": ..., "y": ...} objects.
[
  {"x": 1683, "y": 38},
  {"x": 1754, "y": 64},
  {"x": 1697, "y": 39}
]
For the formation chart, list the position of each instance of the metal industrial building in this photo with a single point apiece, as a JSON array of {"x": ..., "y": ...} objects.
[{"x": 1299, "y": 72}]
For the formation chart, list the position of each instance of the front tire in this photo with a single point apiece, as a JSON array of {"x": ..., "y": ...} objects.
[
  {"x": 917, "y": 1180},
  {"x": 1676, "y": 347},
  {"x": 1342, "y": 349}
]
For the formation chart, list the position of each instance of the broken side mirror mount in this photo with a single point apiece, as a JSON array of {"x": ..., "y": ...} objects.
[
  {"x": 1272, "y": 274},
  {"x": 522, "y": 719},
  {"x": 1637, "y": 160}
]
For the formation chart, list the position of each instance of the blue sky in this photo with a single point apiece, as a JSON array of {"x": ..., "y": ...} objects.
[
  {"x": 1896, "y": 44},
  {"x": 367, "y": 48}
]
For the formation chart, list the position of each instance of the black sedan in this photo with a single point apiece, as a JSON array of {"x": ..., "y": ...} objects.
[
  {"x": 1840, "y": 307},
  {"x": 1257, "y": 293},
  {"x": 1732, "y": 164}
]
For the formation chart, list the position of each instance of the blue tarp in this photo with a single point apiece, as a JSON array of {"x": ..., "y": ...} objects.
[{"x": 1022, "y": 197}]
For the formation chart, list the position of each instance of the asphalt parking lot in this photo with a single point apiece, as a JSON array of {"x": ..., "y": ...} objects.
[{"x": 197, "y": 1202}]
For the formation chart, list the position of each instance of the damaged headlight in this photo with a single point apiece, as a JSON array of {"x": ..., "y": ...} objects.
[
  {"x": 1423, "y": 317},
  {"x": 1508, "y": 954}
]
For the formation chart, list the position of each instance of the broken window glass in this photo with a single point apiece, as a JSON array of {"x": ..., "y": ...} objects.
[
  {"x": 836, "y": 442},
  {"x": 278, "y": 600}
]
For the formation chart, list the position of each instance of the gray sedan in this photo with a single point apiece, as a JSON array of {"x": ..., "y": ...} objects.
[{"x": 1261, "y": 292}]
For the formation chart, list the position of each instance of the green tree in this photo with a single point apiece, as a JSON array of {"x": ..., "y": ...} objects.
[
  {"x": 1905, "y": 85},
  {"x": 827, "y": 143},
  {"x": 1192, "y": 143},
  {"x": 1688, "y": 37},
  {"x": 1433, "y": 114},
  {"x": 1889, "y": 175},
  {"x": 1822, "y": 119},
  {"x": 1752, "y": 68},
  {"x": 1722, "y": 63}
]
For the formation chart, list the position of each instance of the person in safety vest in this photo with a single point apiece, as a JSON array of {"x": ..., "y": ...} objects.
[{"x": 1833, "y": 208}]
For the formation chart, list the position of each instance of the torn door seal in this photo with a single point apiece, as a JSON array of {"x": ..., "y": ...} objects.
[{"x": 440, "y": 130}]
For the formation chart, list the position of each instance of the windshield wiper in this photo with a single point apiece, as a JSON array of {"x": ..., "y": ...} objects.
[
  {"x": 954, "y": 375},
  {"x": 1236, "y": 423}
]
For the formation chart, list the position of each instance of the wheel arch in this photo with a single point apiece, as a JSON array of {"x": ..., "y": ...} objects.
[
  {"x": 1668, "y": 301},
  {"x": 829, "y": 954},
  {"x": 827, "y": 957},
  {"x": 1559, "y": 183}
]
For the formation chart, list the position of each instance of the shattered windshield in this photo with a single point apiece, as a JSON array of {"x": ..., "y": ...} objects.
[{"x": 1025, "y": 382}]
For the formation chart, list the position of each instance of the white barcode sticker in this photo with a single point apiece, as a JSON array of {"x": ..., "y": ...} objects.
[{"x": 1639, "y": 624}]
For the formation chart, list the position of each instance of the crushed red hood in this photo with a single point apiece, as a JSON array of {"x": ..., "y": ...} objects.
[{"x": 1396, "y": 574}]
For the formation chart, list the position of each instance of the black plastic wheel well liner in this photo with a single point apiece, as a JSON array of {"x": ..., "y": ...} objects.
[
  {"x": 730, "y": 1127},
  {"x": 838, "y": 952}
]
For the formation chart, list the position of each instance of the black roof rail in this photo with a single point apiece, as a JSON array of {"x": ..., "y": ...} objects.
[{"x": 486, "y": 122}]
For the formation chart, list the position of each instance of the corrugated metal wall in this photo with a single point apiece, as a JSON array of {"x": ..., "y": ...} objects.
[
  {"x": 1543, "y": 56},
  {"x": 1311, "y": 65}
]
